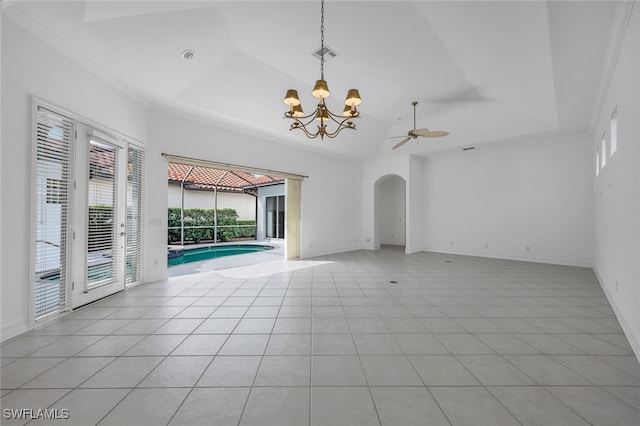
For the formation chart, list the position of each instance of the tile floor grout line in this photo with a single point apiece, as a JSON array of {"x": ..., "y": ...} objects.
[
  {"x": 244, "y": 407},
  {"x": 373, "y": 288}
]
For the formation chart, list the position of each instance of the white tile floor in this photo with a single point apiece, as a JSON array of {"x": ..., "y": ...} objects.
[{"x": 333, "y": 341}]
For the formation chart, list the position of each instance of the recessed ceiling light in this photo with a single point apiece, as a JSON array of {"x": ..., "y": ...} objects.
[{"x": 188, "y": 55}]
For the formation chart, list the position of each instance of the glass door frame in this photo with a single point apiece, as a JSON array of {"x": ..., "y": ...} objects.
[
  {"x": 82, "y": 292},
  {"x": 277, "y": 224}
]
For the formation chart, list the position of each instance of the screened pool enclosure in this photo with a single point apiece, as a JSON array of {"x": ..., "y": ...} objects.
[{"x": 210, "y": 205}]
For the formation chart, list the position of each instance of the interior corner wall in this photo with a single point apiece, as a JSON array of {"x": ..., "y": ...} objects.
[
  {"x": 529, "y": 201},
  {"x": 617, "y": 188},
  {"x": 330, "y": 195},
  {"x": 414, "y": 241},
  {"x": 390, "y": 208},
  {"x": 61, "y": 82}
]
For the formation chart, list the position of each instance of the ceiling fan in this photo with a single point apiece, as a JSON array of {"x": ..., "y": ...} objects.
[{"x": 412, "y": 134}]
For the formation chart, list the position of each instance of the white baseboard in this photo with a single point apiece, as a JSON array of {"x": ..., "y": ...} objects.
[
  {"x": 628, "y": 332},
  {"x": 309, "y": 254},
  {"x": 12, "y": 330},
  {"x": 562, "y": 262}
]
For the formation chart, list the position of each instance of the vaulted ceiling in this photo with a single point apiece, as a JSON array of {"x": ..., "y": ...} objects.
[{"x": 484, "y": 71}]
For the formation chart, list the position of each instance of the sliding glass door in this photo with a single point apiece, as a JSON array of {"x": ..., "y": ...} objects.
[{"x": 275, "y": 210}]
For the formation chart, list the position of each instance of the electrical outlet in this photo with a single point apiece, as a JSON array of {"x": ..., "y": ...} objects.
[
  {"x": 155, "y": 261},
  {"x": 528, "y": 248},
  {"x": 486, "y": 246},
  {"x": 452, "y": 243},
  {"x": 367, "y": 239}
]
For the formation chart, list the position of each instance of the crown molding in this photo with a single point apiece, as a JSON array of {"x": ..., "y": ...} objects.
[{"x": 19, "y": 16}]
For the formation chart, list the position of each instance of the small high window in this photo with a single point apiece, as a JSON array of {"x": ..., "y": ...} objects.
[
  {"x": 614, "y": 131},
  {"x": 603, "y": 151}
]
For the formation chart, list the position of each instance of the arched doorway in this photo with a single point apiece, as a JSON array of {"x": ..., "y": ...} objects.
[{"x": 390, "y": 212}]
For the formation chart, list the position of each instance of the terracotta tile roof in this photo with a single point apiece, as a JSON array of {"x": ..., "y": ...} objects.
[{"x": 206, "y": 178}]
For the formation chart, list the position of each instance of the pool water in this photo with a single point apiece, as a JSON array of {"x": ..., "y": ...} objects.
[{"x": 178, "y": 257}]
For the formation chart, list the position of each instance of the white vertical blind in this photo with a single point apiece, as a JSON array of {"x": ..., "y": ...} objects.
[
  {"x": 102, "y": 213},
  {"x": 134, "y": 215},
  {"x": 52, "y": 191}
]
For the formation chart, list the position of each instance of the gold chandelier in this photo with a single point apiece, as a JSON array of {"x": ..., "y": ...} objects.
[{"x": 322, "y": 113}]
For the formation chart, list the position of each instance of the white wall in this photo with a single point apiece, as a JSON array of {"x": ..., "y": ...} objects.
[
  {"x": 617, "y": 189},
  {"x": 244, "y": 204},
  {"x": 390, "y": 210},
  {"x": 414, "y": 206},
  {"x": 331, "y": 203},
  {"x": 61, "y": 82},
  {"x": 330, "y": 195},
  {"x": 263, "y": 193},
  {"x": 530, "y": 201}
]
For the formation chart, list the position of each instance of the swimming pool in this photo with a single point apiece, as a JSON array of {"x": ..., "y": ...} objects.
[{"x": 180, "y": 256}]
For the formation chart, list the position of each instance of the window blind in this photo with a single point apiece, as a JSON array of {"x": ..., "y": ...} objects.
[
  {"x": 52, "y": 193},
  {"x": 102, "y": 214},
  {"x": 134, "y": 215}
]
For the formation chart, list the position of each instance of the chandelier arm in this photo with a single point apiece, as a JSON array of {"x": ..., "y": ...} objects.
[
  {"x": 339, "y": 119},
  {"x": 304, "y": 117},
  {"x": 306, "y": 132},
  {"x": 340, "y": 128},
  {"x": 298, "y": 124}
]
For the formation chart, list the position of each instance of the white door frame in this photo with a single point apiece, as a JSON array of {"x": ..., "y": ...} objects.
[{"x": 82, "y": 292}]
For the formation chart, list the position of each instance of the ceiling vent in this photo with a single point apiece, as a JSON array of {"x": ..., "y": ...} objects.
[{"x": 329, "y": 53}]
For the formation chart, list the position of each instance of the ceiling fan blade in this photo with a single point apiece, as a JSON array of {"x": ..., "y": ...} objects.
[
  {"x": 397, "y": 137},
  {"x": 402, "y": 142},
  {"x": 420, "y": 132},
  {"x": 435, "y": 134}
]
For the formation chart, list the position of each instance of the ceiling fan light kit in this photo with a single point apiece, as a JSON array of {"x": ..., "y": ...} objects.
[
  {"x": 322, "y": 114},
  {"x": 412, "y": 134}
]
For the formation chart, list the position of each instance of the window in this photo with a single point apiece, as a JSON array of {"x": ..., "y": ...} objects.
[
  {"x": 52, "y": 196},
  {"x": 134, "y": 215},
  {"x": 614, "y": 131},
  {"x": 603, "y": 151},
  {"x": 275, "y": 217},
  {"x": 87, "y": 213},
  {"x": 102, "y": 214},
  {"x": 56, "y": 191},
  {"x": 597, "y": 161}
]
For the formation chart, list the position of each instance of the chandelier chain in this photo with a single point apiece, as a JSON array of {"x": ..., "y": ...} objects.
[{"x": 322, "y": 39}]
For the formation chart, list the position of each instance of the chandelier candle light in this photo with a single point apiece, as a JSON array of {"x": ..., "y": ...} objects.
[{"x": 322, "y": 113}]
